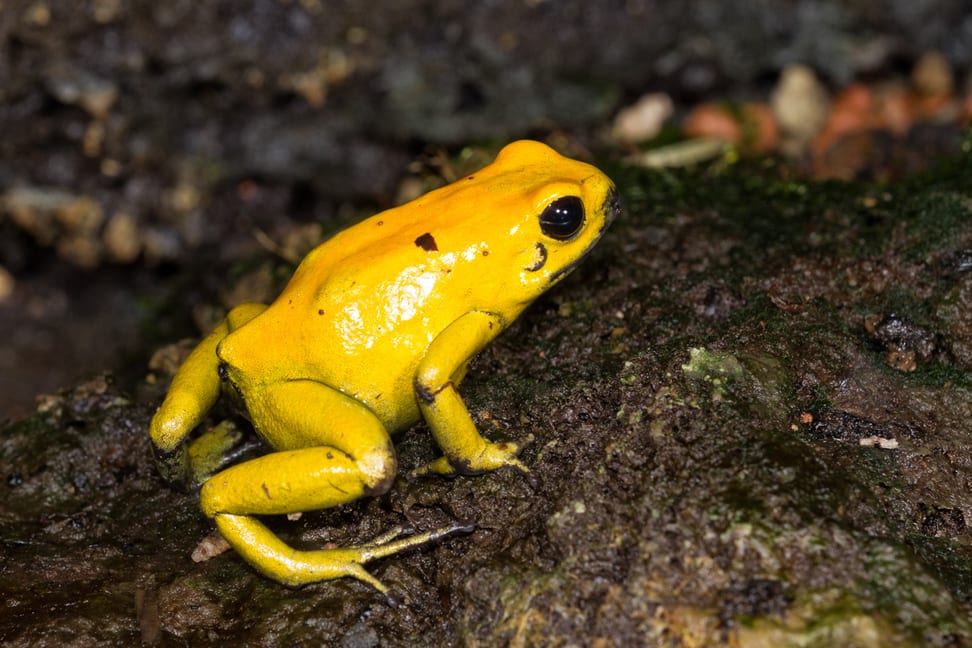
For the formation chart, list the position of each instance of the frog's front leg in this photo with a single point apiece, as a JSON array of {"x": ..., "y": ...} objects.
[
  {"x": 193, "y": 392},
  {"x": 442, "y": 368},
  {"x": 340, "y": 452}
]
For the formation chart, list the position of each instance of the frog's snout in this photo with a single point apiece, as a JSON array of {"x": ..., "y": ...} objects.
[{"x": 612, "y": 206}]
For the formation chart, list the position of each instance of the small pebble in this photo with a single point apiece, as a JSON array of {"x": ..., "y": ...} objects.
[
  {"x": 121, "y": 238},
  {"x": 800, "y": 103},
  {"x": 644, "y": 119},
  {"x": 72, "y": 85},
  {"x": 933, "y": 76},
  {"x": 7, "y": 284},
  {"x": 752, "y": 126}
]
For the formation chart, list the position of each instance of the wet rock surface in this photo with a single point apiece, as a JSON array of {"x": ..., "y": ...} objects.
[
  {"x": 723, "y": 453},
  {"x": 750, "y": 406}
]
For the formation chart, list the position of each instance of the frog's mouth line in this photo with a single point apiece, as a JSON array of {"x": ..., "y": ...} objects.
[{"x": 612, "y": 209}]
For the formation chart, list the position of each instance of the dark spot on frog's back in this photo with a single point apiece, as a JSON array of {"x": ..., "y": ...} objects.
[{"x": 427, "y": 243}]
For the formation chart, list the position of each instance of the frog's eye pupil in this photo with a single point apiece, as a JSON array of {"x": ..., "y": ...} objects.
[{"x": 563, "y": 218}]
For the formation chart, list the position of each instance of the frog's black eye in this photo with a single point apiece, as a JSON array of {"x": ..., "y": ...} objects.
[{"x": 562, "y": 219}]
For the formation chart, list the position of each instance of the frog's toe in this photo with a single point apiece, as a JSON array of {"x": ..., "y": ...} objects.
[
  {"x": 174, "y": 466},
  {"x": 355, "y": 570},
  {"x": 208, "y": 453},
  {"x": 524, "y": 470},
  {"x": 393, "y": 598},
  {"x": 498, "y": 455},
  {"x": 441, "y": 466},
  {"x": 491, "y": 457},
  {"x": 265, "y": 551},
  {"x": 390, "y": 543},
  {"x": 221, "y": 446}
]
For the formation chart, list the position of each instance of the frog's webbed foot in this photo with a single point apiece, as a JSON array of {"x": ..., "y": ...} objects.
[
  {"x": 265, "y": 551},
  {"x": 490, "y": 457},
  {"x": 189, "y": 465},
  {"x": 390, "y": 543},
  {"x": 215, "y": 449},
  {"x": 358, "y": 460},
  {"x": 174, "y": 466}
]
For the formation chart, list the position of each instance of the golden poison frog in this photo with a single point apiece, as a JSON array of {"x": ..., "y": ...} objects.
[{"x": 373, "y": 333}]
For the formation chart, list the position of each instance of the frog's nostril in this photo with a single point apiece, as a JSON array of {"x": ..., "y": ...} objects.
[{"x": 612, "y": 205}]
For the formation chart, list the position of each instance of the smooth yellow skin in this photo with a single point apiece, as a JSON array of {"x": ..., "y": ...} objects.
[{"x": 374, "y": 332}]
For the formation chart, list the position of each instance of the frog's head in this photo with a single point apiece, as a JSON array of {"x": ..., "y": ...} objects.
[{"x": 559, "y": 211}]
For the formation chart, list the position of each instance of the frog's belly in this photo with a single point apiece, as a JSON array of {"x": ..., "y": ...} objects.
[
  {"x": 391, "y": 398},
  {"x": 375, "y": 367},
  {"x": 382, "y": 378},
  {"x": 389, "y": 393}
]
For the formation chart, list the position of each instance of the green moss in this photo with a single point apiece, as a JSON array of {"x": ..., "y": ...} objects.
[
  {"x": 949, "y": 559},
  {"x": 938, "y": 374},
  {"x": 934, "y": 224}
]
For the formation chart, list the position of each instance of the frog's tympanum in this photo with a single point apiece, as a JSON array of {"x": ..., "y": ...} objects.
[{"x": 373, "y": 333}]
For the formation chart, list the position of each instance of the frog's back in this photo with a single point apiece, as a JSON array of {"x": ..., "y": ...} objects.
[
  {"x": 362, "y": 308},
  {"x": 360, "y": 311},
  {"x": 380, "y": 291}
]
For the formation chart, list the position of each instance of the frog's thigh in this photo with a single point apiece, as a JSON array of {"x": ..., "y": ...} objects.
[
  {"x": 349, "y": 454},
  {"x": 346, "y": 453}
]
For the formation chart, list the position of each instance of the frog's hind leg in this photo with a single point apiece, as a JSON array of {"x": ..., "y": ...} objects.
[
  {"x": 342, "y": 453},
  {"x": 193, "y": 392},
  {"x": 268, "y": 553}
]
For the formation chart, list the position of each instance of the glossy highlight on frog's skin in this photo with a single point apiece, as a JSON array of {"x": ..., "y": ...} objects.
[{"x": 373, "y": 333}]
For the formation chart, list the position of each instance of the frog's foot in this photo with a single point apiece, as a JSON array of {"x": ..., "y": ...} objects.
[
  {"x": 265, "y": 551},
  {"x": 217, "y": 448},
  {"x": 491, "y": 457}
]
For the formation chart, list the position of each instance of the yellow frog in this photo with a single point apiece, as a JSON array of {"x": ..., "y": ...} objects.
[{"x": 373, "y": 333}]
